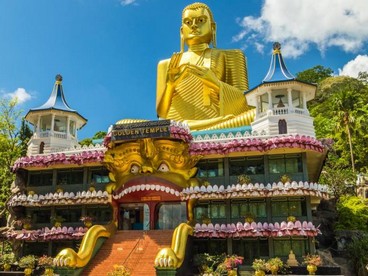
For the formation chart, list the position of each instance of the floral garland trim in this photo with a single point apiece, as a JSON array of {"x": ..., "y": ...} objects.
[{"x": 254, "y": 229}]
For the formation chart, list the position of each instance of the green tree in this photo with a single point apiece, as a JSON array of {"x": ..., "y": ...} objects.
[
  {"x": 89, "y": 141},
  {"x": 341, "y": 181},
  {"x": 341, "y": 113},
  {"x": 352, "y": 213},
  {"x": 357, "y": 251},
  {"x": 363, "y": 77},
  {"x": 315, "y": 75},
  {"x": 99, "y": 135},
  {"x": 10, "y": 149},
  {"x": 25, "y": 134},
  {"x": 85, "y": 142}
]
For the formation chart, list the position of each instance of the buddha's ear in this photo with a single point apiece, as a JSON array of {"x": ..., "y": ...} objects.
[
  {"x": 213, "y": 27},
  {"x": 181, "y": 40}
]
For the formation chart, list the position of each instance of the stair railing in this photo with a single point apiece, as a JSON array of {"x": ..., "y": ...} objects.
[{"x": 137, "y": 247}]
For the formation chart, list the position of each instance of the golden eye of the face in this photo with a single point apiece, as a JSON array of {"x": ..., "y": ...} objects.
[
  {"x": 134, "y": 169},
  {"x": 187, "y": 22},
  {"x": 163, "y": 167},
  {"x": 202, "y": 19}
]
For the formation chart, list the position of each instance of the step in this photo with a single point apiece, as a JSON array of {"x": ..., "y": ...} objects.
[{"x": 117, "y": 251}]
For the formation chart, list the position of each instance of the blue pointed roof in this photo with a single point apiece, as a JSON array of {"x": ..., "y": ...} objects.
[
  {"x": 278, "y": 70},
  {"x": 56, "y": 101}
]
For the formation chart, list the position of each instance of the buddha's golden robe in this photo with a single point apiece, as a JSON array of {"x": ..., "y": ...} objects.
[{"x": 194, "y": 100}]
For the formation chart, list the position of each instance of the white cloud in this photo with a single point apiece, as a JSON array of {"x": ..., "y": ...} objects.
[
  {"x": 127, "y": 2},
  {"x": 353, "y": 67},
  {"x": 20, "y": 94},
  {"x": 301, "y": 23}
]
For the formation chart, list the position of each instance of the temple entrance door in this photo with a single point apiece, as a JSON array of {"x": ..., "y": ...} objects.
[
  {"x": 134, "y": 216},
  {"x": 170, "y": 215}
]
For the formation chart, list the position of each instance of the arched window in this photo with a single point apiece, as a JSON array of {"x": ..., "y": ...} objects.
[
  {"x": 42, "y": 147},
  {"x": 282, "y": 126}
]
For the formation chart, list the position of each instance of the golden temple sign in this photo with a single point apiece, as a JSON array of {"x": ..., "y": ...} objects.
[{"x": 148, "y": 129}]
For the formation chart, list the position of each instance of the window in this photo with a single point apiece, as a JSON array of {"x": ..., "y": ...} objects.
[
  {"x": 264, "y": 103},
  {"x": 255, "y": 209},
  {"x": 99, "y": 176},
  {"x": 42, "y": 148},
  {"x": 285, "y": 163},
  {"x": 251, "y": 249},
  {"x": 212, "y": 247},
  {"x": 60, "y": 124},
  {"x": 43, "y": 178},
  {"x": 237, "y": 166},
  {"x": 282, "y": 126},
  {"x": 71, "y": 214},
  {"x": 201, "y": 212},
  {"x": 249, "y": 166},
  {"x": 100, "y": 213},
  {"x": 210, "y": 210},
  {"x": 282, "y": 246},
  {"x": 41, "y": 215},
  {"x": 45, "y": 123},
  {"x": 218, "y": 210},
  {"x": 210, "y": 168},
  {"x": 171, "y": 215},
  {"x": 30, "y": 248},
  {"x": 72, "y": 128},
  {"x": 69, "y": 177},
  {"x": 283, "y": 207},
  {"x": 297, "y": 100}
]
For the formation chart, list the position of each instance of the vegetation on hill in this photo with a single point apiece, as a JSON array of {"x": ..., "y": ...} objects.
[
  {"x": 340, "y": 112},
  {"x": 89, "y": 141},
  {"x": 13, "y": 144}
]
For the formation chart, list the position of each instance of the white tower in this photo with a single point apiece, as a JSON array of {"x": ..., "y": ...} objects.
[
  {"x": 281, "y": 101},
  {"x": 55, "y": 123}
]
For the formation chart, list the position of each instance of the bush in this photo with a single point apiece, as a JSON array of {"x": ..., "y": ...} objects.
[
  {"x": 28, "y": 261},
  {"x": 274, "y": 263},
  {"x": 207, "y": 263},
  {"x": 7, "y": 258},
  {"x": 259, "y": 264},
  {"x": 352, "y": 213},
  {"x": 358, "y": 254},
  {"x": 45, "y": 261}
]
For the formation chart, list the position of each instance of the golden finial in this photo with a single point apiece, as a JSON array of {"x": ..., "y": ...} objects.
[
  {"x": 276, "y": 48},
  {"x": 59, "y": 78}
]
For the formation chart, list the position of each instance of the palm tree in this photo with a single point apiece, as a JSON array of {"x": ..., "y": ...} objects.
[{"x": 347, "y": 108}]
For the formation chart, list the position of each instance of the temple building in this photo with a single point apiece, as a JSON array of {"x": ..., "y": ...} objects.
[{"x": 159, "y": 192}]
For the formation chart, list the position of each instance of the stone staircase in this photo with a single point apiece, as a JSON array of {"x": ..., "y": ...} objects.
[{"x": 134, "y": 249}]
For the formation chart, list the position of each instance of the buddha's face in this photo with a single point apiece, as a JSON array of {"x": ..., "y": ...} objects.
[{"x": 196, "y": 26}]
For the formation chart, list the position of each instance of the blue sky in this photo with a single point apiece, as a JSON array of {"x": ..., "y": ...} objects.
[{"x": 107, "y": 50}]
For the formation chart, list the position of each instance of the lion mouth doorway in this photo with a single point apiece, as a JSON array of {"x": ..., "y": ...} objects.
[
  {"x": 134, "y": 216},
  {"x": 151, "y": 215}
]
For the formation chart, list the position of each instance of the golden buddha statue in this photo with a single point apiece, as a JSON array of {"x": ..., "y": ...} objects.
[{"x": 203, "y": 86}]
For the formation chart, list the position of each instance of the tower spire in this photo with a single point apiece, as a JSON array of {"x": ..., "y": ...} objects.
[
  {"x": 55, "y": 123},
  {"x": 278, "y": 70}
]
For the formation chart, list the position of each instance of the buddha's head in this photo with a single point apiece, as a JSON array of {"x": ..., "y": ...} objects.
[{"x": 198, "y": 25}]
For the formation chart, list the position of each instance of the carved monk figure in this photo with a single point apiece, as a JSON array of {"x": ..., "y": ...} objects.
[{"x": 202, "y": 86}]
